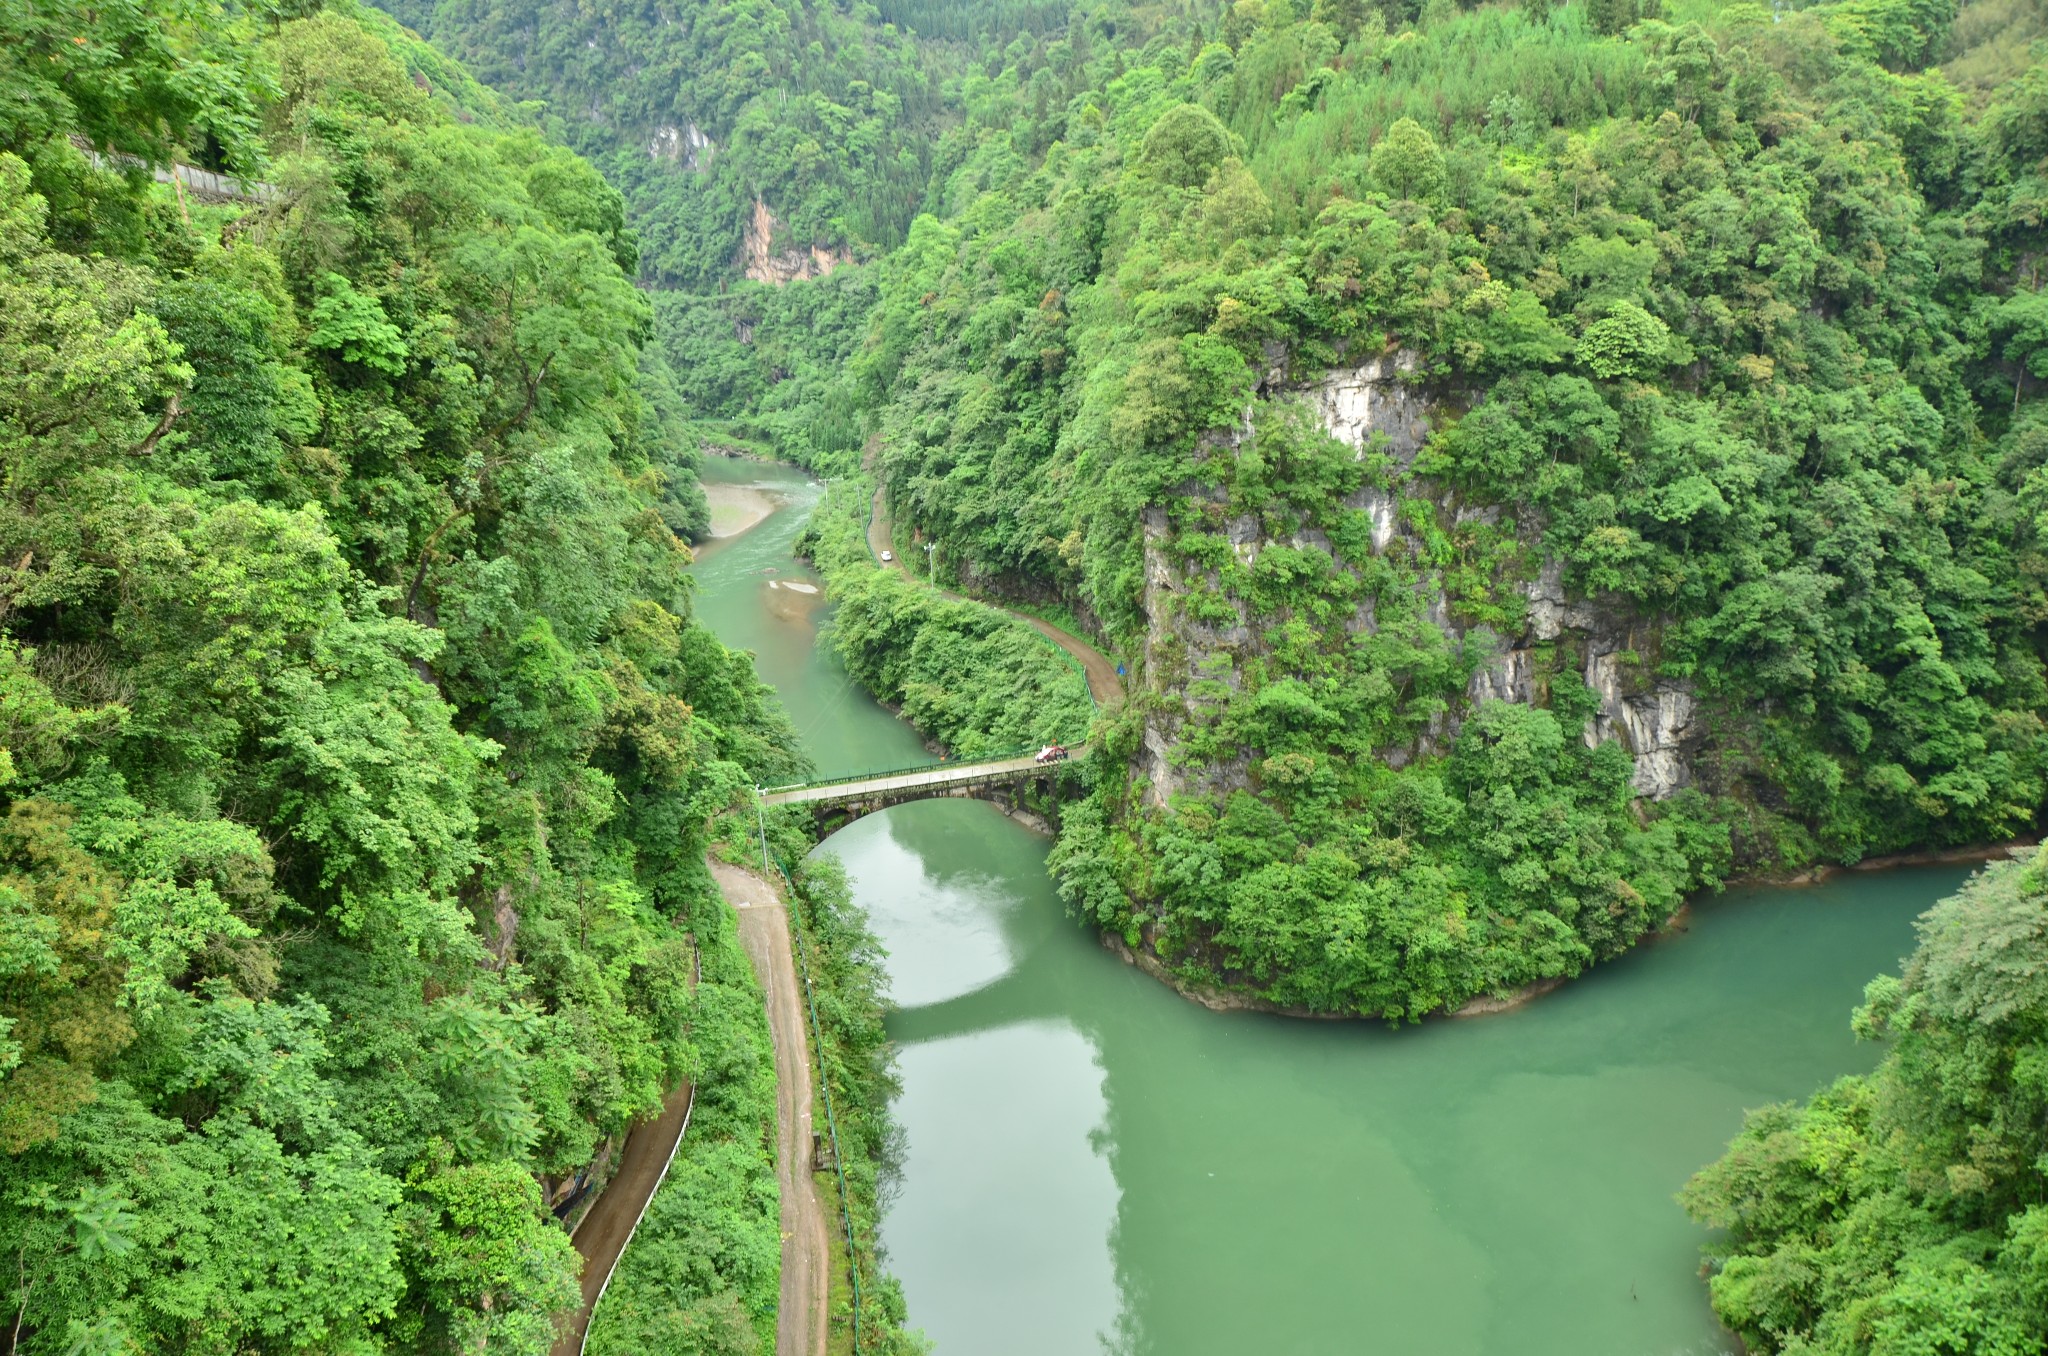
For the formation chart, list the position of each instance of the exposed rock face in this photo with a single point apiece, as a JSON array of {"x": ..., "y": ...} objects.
[
  {"x": 1654, "y": 718},
  {"x": 686, "y": 146},
  {"x": 762, "y": 262},
  {"x": 1373, "y": 402},
  {"x": 1376, "y": 409}
]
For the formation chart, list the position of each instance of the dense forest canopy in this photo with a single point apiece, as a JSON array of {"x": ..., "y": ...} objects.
[
  {"x": 699, "y": 111},
  {"x": 361, "y": 753},
  {"x": 1720, "y": 319},
  {"x": 359, "y": 747}
]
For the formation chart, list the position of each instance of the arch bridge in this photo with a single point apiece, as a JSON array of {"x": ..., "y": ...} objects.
[{"x": 870, "y": 791}]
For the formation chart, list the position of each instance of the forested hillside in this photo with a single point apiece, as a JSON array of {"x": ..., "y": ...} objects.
[
  {"x": 830, "y": 118},
  {"x": 1688, "y": 524},
  {"x": 359, "y": 748},
  {"x": 1702, "y": 354},
  {"x": 1536, "y": 461}
]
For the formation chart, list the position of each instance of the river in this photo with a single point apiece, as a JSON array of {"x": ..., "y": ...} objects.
[{"x": 1095, "y": 1164}]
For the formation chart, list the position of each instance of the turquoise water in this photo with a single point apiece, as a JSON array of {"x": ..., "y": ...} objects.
[{"x": 1096, "y": 1164}]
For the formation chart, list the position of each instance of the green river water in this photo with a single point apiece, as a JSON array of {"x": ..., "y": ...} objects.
[{"x": 1095, "y": 1164}]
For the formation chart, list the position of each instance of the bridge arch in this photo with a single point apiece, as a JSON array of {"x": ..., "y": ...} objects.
[{"x": 848, "y": 798}]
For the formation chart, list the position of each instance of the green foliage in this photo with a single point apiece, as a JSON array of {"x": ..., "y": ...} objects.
[
  {"x": 1184, "y": 147},
  {"x": 360, "y": 753},
  {"x": 133, "y": 79},
  {"x": 346, "y": 322},
  {"x": 1407, "y": 162},
  {"x": 487, "y": 1265},
  {"x": 826, "y": 118},
  {"x": 1628, "y": 342},
  {"x": 976, "y": 681},
  {"x": 1901, "y": 1212},
  {"x": 1730, "y": 324}
]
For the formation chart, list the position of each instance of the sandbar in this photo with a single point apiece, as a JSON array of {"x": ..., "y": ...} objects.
[{"x": 735, "y": 508}]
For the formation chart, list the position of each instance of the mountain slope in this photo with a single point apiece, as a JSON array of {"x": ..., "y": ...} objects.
[
  {"x": 359, "y": 750},
  {"x": 1671, "y": 383}
]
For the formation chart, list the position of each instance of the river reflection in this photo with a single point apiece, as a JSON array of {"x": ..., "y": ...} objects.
[
  {"x": 1007, "y": 1203},
  {"x": 1095, "y": 1164}
]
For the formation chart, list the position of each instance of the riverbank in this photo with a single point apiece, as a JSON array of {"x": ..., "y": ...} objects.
[
  {"x": 820, "y": 969},
  {"x": 1961, "y": 856},
  {"x": 1105, "y": 684},
  {"x": 736, "y": 508},
  {"x": 1218, "y": 999},
  {"x": 965, "y": 674}
]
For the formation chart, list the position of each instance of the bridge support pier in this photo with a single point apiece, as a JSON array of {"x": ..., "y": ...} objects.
[{"x": 1032, "y": 801}]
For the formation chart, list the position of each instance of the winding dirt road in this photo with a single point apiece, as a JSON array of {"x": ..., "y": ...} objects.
[
  {"x": 1103, "y": 682},
  {"x": 603, "y": 1234},
  {"x": 800, "y": 1327}
]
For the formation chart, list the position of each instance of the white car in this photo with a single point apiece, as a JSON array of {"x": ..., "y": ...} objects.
[{"x": 888, "y": 556}]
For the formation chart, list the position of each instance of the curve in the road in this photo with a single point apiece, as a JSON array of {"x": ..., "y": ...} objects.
[
  {"x": 605, "y": 1231},
  {"x": 1103, "y": 683}
]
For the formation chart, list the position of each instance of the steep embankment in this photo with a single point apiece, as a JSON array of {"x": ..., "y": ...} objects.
[
  {"x": 1105, "y": 685},
  {"x": 361, "y": 749}
]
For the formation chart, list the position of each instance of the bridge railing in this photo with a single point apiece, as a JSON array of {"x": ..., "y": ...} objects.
[{"x": 945, "y": 766}]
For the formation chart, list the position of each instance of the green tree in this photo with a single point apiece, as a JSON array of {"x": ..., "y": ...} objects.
[
  {"x": 1184, "y": 147},
  {"x": 1407, "y": 162},
  {"x": 1900, "y": 1211},
  {"x": 1628, "y": 342}
]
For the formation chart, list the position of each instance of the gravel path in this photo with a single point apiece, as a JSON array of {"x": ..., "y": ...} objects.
[{"x": 800, "y": 1326}]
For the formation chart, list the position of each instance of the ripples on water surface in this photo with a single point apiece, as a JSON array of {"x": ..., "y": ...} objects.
[{"x": 1097, "y": 1165}]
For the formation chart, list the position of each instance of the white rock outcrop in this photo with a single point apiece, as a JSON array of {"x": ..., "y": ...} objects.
[
  {"x": 685, "y": 146},
  {"x": 1378, "y": 406}
]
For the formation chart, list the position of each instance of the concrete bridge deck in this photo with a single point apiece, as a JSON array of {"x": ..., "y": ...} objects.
[{"x": 915, "y": 783}]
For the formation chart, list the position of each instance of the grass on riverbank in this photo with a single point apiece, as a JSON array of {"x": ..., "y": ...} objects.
[{"x": 964, "y": 673}]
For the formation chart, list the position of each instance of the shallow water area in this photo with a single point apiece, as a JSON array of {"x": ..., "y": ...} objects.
[
  {"x": 1095, "y": 1164},
  {"x": 736, "y": 507}
]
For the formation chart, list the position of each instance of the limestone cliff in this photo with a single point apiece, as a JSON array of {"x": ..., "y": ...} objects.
[
  {"x": 763, "y": 262},
  {"x": 1379, "y": 408},
  {"x": 685, "y": 146}
]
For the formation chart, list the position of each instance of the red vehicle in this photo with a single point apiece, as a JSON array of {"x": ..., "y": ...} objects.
[{"x": 1053, "y": 753}]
